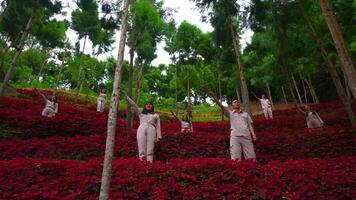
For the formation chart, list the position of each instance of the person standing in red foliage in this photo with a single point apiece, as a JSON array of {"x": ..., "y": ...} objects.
[
  {"x": 51, "y": 107},
  {"x": 266, "y": 106},
  {"x": 149, "y": 130},
  {"x": 314, "y": 122},
  {"x": 101, "y": 101},
  {"x": 242, "y": 133},
  {"x": 185, "y": 122}
]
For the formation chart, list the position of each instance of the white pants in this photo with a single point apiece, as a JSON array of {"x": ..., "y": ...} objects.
[
  {"x": 239, "y": 145},
  {"x": 100, "y": 106},
  {"x": 146, "y": 135},
  {"x": 48, "y": 112},
  {"x": 268, "y": 113}
]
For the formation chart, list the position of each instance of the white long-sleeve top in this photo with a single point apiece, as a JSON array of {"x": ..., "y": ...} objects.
[
  {"x": 147, "y": 119},
  {"x": 52, "y": 105}
]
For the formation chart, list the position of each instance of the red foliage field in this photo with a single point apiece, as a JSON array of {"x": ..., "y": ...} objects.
[{"x": 61, "y": 157}]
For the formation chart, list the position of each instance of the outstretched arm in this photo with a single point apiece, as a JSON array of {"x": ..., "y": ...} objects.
[
  {"x": 255, "y": 96},
  {"x": 175, "y": 116},
  {"x": 223, "y": 108},
  {"x": 42, "y": 95},
  {"x": 299, "y": 109},
  {"x": 133, "y": 105}
]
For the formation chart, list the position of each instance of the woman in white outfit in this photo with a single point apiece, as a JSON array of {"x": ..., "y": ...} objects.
[
  {"x": 313, "y": 119},
  {"x": 101, "y": 101},
  {"x": 51, "y": 106},
  {"x": 242, "y": 134},
  {"x": 185, "y": 123},
  {"x": 149, "y": 130},
  {"x": 266, "y": 107}
]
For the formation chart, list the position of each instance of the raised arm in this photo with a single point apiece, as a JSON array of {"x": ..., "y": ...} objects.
[
  {"x": 255, "y": 96},
  {"x": 175, "y": 116},
  {"x": 299, "y": 109},
  {"x": 133, "y": 105},
  {"x": 223, "y": 108},
  {"x": 42, "y": 95}
]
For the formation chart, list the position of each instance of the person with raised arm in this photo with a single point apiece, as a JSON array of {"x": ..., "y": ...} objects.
[
  {"x": 242, "y": 134},
  {"x": 101, "y": 101},
  {"x": 266, "y": 106},
  {"x": 313, "y": 119},
  {"x": 51, "y": 105},
  {"x": 149, "y": 130},
  {"x": 185, "y": 123}
]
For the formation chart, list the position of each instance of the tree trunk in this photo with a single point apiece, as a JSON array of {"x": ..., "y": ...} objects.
[
  {"x": 332, "y": 70},
  {"x": 79, "y": 81},
  {"x": 112, "y": 118},
  {"x": 297, "y": 90},
  {"x": 269, "y": 94},
  {"x": 220, "y": 96},
  {"x": 138, "y": 82},
  {"x": 244, "y": 89},
  {"x": 304, "y": 88},
  {"x": 18, "y": 52},
  {"x": 347, "y": 88},
  {"x": 59, "y": 73},
  {"x": 176, "y": 91},
  {"x": 238, "y": 94},
  {"x": 291, "y": 89},
  {"x": 129, "y": 113},
  {"x": 188, "y": 88},
  {"x": 311, "y": 87},
  {"x": 344, "y": 55},
  {"x": 6, "y": 50},
  {"x": 284, "y": 95}
]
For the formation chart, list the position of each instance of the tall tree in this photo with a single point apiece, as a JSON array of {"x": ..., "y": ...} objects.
[
  {"x": 344, "y": 55},
  {"x": 112, "y": 118}
]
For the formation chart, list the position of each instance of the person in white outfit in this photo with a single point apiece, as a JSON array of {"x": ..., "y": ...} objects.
[
  {"x": 242, "y": 134},
  {"x": 101, "y": 101},
  {"x": 149, "y": 130},
  {"x": 266, "y": 107},
  {"x": 185, "y": 123},
  {"x": 51, "y": 106},
  {"x": 314, "y": 122}
]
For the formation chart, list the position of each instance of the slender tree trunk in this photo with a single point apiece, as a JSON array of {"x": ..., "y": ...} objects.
[
  {"x": 347, "y": 64},
  {"x": 220, "y": 96},
  {"x": 6, "y": 50},
  {"x": 297, "y": 90},
  {"x": 244, "y": 89},
  {"x": 284, "y": 95},
  {"x": 188, "y": 88},
  {"x": 304, "y": 88},
  {"x": 41, "y": 68},
  {"x": 18, "y": 52},
  {"x": 291, "y": 89},
  {"x": 138, "y": 82},
  {"x": 331, "y": 69},
  {"x": 311, "y": 87},
  {"x": 129, "y": 113},
  {"x": 238, "y": 94},
  {"x": 59, "y": 73},
  {"x": 347, "y": 88},
  {"x": 269, "y": 94},
  {"x": 112, "y": 119},
  {"x": 79, "y": 81},
  {"x": 176, "y": 91}
]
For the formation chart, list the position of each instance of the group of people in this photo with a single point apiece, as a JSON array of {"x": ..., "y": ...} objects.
[{"x": 242, "y": 135}]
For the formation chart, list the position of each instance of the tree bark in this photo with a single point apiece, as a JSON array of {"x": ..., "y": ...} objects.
[
  {"x": 129, "y": 113},
  {"x": 176, "y": 91},
  {"x": 304, "y": 88},
  {"x": 331, "y": 69},
  {"x": 269, "y": 94},
  {"x": 79, "y": 81},
  {"x": 138, "y": 83},
  {"x": 347, "y": 64},
  {"x": 244, "y": 89},
  {"x": 18, "y": 51},
  {"x": 238, "y": 94},
  {"x": 297, "y": 90},
  {"x": 188, "y": 87},
  {"x": 284, "y": 95},
  {"x": 220, "y": 96},
  {"x": 112, "y": 118},
  {"x": 311, "y": 87}
]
